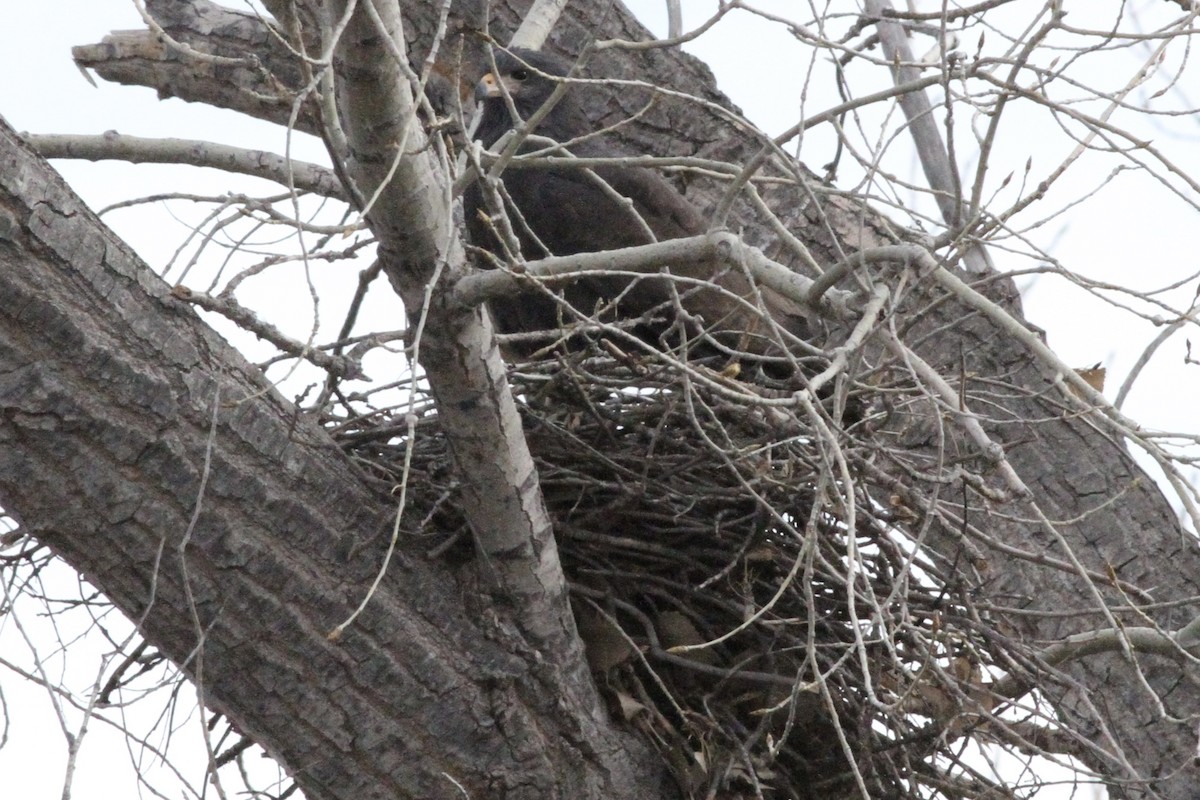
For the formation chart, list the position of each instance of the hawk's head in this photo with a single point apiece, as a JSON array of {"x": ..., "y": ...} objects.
[{"x": 529, "y": 78}]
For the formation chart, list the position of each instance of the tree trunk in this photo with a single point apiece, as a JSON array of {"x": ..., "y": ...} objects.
[{"x": 150, "y": 456}]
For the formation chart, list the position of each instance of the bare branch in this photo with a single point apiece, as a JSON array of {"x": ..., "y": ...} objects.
[{"x": 139, "y": 150}]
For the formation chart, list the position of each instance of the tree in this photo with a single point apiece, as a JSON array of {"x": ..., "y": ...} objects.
[{"x": 937, "y": 537}]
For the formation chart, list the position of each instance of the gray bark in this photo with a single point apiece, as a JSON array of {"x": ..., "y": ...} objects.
[
  {"x": 150, "y": 456},
  {"x": 1075, "y": 468}
]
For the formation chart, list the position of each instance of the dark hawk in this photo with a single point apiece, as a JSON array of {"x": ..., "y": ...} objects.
[{"x": 561, "y": 210}]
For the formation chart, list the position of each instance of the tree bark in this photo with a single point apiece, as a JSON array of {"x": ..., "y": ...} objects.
[
  {"x": 1110, "y": 515},
  {"x": 150, "y": 456}
]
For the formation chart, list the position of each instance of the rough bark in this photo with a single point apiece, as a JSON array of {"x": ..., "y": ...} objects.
[
  {"x": 148, "y": 454},
  {"x": 1110, "y": 514}
]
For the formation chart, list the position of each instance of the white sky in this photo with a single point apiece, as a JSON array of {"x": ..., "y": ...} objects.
[{"x": 1133, "y": 232}]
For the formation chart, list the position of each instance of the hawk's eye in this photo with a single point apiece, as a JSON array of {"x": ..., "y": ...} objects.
[{"x": 520, "y": 73}]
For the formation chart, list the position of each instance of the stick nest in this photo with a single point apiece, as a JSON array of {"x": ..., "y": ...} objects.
[{"x": 750, "y": 600}]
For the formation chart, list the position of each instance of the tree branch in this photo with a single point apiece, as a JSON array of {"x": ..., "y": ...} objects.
[
  {"x": 408, "y": 182},
  {"x": 246, "y": 319},
  {"x": 107, "y": 387},
  {"x": 111, "y": 146},
  {"x": 720, "y": 247},
  {"x": 1177, "y": 646}
]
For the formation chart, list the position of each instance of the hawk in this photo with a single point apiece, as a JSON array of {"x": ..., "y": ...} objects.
[{"x": 563, "y": 210}]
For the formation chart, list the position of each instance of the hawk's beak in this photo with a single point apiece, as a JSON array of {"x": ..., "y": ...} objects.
[{"x": 487, "y": 87}]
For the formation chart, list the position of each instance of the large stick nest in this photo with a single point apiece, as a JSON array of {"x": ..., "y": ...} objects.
[{"x": 749, "y": 600}]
